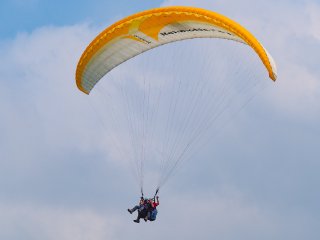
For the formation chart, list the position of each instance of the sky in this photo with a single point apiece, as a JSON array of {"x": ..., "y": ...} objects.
[{"x": 259, "y": 179}]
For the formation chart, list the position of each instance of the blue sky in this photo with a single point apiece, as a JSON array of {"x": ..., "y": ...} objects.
[
  {"x": 25, "y": 16},
  {"x": 58, "y": 175}
]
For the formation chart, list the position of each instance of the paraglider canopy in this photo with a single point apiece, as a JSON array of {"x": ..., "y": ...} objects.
[{"x": 149, "y": 29}]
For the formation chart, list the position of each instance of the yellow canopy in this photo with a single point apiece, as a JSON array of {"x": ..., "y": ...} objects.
[{"x": 149, "y": 29}]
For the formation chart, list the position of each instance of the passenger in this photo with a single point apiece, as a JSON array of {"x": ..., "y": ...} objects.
[
  {"x": 142, "y": 210},
  {"x": 152, "y": 211}
]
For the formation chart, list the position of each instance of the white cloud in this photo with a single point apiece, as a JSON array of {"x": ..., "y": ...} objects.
[
  {"x": 44, "y": 110},
  {"x": 216, "y": 214},
  {"x": 31, "y": 222},
  {"x": 313, "y": 10}
]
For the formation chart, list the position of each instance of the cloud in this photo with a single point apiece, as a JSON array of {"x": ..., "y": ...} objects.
[
  {"x": 35, "y": 69},
  {"x": 31, "y": 222},
  {"x": 313, "y": 10}
]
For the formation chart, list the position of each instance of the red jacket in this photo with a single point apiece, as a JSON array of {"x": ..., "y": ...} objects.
[{"x": 154, "y": 204}]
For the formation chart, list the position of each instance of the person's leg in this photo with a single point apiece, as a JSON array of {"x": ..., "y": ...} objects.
[
  {"x": 147, "y": 217},
  {"x": 137, "y": 207},
  {"x": 153, "y": 215},
  {"x": 140, "y": 215}
]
